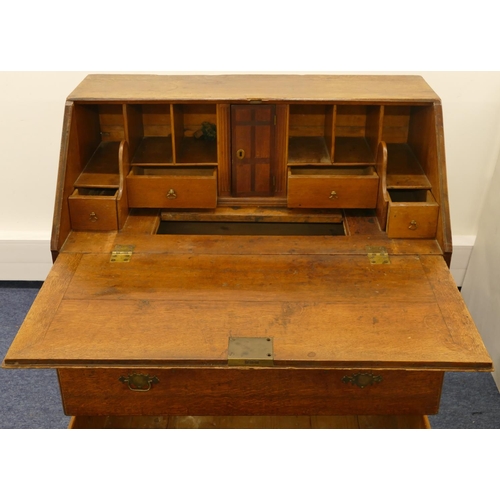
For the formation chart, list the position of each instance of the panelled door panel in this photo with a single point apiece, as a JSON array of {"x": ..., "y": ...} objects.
[{"x": 252, "y": 149}]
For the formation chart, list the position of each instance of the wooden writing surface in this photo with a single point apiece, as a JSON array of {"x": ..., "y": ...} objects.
[{"x": 321, "y": 310}]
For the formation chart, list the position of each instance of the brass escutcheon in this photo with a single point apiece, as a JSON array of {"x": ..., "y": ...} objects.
[
  {"x": 333, "y": 195},
  {"x": 93, "y": 217},
  {"x": 413, "y": 225},
  {"x": 138, "y": 382},
  {"x": 171, "y": 194},
  {"x": 362, "y": 379},
  {"x": 240, "y": 154}
]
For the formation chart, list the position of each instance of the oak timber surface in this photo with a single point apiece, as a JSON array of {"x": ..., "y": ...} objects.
[
  {"x": 335, "y": 311},
  {"x": 362, "y": 88},
  {"x": 254, "y": 422}
]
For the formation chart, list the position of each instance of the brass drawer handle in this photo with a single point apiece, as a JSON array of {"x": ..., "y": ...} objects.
[
  {"x": 413, "y": 225},
  {"x": 362, "y": 379},
  {"x": 171, "y": 194},
  {"x": 138, "y": 382},
  {"x": 93, "y": 217},
  {"x": 333, "y": 196}
]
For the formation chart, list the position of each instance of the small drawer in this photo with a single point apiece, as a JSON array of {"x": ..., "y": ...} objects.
[
  {"x": 413, "y": 213},
  {"x": 93, "y": 210},
  {"x": 332, "y": 187},
  {"x": 261, "y": 391},
  {"x": 194, "y": 187}
]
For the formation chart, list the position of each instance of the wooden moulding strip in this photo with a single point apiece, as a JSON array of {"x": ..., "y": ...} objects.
[
  {"x": 383, "y": 196},
  {"x": 464, "y": 337},
  {"x": 121, "y": 198},
  {"x": 224, "y": 149},
  {"x": 267, "y": 245},
  {"x": 87, "y": 242},
  {"x": 69, "y": 168},
  {"x": 255, "y": 214},
  {"x": 44, "y": 308}
]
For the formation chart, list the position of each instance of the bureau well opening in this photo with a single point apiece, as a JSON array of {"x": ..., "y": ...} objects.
[{"x": 251, "y": 228}]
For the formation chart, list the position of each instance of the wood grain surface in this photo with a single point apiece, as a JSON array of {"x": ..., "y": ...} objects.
[
  {"x": 254, "y": 422},
  {"x": 322, "y": 310},
  {"x": 366, "y": 88},
  {"x": 249, "y": 391}
]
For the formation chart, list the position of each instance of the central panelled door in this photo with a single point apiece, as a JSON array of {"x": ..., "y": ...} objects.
[{"x": 252, "y": 149}]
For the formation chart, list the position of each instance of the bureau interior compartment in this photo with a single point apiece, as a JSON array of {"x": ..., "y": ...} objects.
[
  {"x": 192, "y": 186},
  {"x": 410, "y": 196},
  {"x": 355, "y": 171},
  {"x": 252, "y": 228},
  {"x": 100, "y": 130},
  {"x": 195, "y": 133},
  {"x": 332, "y": 187},
  {"x": 95, "y": 192},
  {"x": 150, "y": 134},
  {"x": 356, "y": 134},
  {"x": 411, "y": 158},
  {"x": 310, "y": 134},
  {"x": 187, "y": 171},
  {"x": 413, "y": 213}
]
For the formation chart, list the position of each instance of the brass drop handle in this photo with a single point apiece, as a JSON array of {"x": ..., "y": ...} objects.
[
  {"x": 138, "y": 382},
  {"x": 93, "y": 217},
  {"x": 413, "y": 225},
  {"x": 240, "y": 154},
  {"x": 362, "y": 380},
  {"x": 171, "y": 194},
  {"x": 333, "y": 195}
]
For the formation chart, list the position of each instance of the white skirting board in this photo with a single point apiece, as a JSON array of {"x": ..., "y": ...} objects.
[
  {"x": 30, "y": 260},
  {"x": 25, "y": 260},
  {"x": 462, "y": 250}
]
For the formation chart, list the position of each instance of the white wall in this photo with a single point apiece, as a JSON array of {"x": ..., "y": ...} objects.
[
  {"x": 481, "y": 287},
  {"x": 31, "y": 110}
]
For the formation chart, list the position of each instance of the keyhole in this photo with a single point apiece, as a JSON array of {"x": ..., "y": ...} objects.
[{"x": 240, "y": 154}]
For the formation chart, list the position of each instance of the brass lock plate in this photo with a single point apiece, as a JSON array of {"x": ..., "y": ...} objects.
[{"x": 250, "y": 351}]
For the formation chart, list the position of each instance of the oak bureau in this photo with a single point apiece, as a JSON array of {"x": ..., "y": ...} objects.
[{"x": 250, "y": 245}]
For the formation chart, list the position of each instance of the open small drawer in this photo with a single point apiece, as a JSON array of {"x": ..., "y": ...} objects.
[
  {"x": 413, "y": 213},
  {"x": 344, "y": 187},
  {"x": 189, "y": 187},
  {"x": 93, "y": 209}
]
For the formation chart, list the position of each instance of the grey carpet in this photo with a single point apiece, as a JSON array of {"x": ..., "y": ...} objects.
[{"x": 30, "y": 399}]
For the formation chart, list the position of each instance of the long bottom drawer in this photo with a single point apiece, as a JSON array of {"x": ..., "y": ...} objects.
[
  {"x": 253, "y": 422},
  {"x": 244, "y": 391}
]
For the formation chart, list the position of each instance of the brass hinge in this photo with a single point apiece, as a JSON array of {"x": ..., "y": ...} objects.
[
  {"x": 250, "y": 351},
  {"x": 378, "y": 255},
  {"x": 122, "y": 253}
]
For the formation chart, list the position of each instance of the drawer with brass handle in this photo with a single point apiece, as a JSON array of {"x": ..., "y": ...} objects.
[
  {"x": 93, "y": 210},
  {"x": 243, "y": 391},
  {"x": 190, "y": 187},
  {"x": 347, "y": 187},
  {"x": 413, "y": 213}
]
